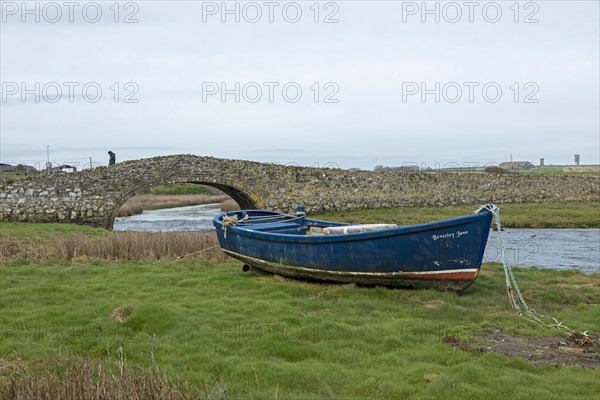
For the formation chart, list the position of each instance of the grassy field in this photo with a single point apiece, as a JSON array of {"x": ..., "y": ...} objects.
[
  {"x": 547, "y": 215},
  {"x": 233, "y": 335},
  {"x": 257, "y": 337},
  {"x": 32, "y": 230},
  {"x": 562, "y": 170},
  {"x": 539, "y": 170},
  {"x": 14, "y": 176}
]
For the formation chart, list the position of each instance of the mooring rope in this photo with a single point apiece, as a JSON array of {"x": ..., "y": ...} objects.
[
  {"x": 518, "y": 302},
  {"x": 196, "y": 252}
]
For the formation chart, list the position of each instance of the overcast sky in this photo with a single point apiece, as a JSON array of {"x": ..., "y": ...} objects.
[{"x": 356, "y": 83}]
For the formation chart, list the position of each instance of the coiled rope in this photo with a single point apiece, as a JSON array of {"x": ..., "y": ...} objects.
[
  {"x": 231, "y": 221},
  {"x": 514, "y": 293}
]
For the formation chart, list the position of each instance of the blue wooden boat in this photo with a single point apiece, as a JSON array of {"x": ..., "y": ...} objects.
[{"x": 445, "y": 255}]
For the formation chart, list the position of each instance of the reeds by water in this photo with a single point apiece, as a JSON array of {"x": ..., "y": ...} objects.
[
  {"x": 229, "y": 205},
  {"x": 114, "y": 246},
  {"x": 139, "y": 203}
]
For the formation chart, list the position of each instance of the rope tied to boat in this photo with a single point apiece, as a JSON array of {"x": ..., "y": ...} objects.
[
  {"x": 512, "y": 288},
  {"x": 231, "y": 221}
]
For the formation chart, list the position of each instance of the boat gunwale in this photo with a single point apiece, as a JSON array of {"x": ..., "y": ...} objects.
[{"x": 357, "y": 236}]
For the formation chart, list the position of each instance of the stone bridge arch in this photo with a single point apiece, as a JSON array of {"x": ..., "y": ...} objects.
[
  {"x": 243, "y": 195},
  {"x": 94, "y": 196}
]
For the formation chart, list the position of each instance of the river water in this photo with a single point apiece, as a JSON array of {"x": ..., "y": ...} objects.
[
  {"x": 544, "y": 248},
  {"x": 191, "y": 218}
]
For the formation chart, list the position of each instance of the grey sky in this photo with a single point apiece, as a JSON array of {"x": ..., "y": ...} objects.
[{"x": 370, "y": 58}]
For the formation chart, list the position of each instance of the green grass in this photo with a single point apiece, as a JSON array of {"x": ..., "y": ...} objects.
[
  {"x": 528, "y": 215},
  {"x": 538, "y": 170},
  {"x": 545, "y": 170},
  {"x": 290, "y": 340},
  {"x": 179, "y": 188},
  {"x": 559, "y": 170},
  {"x": 14, "y": 176},
  {"x": 32, "y": 229}
]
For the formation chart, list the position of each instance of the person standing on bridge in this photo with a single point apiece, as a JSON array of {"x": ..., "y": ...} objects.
[{"x": 112, "y": 158}]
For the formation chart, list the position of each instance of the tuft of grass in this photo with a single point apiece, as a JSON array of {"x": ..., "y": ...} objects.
[
  {"x": 524, "y": 215},
  {"x": 120, "y": 314},
  {"x": 84, "y": 379}
]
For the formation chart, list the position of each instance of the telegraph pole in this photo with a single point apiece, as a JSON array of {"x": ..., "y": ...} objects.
[{"x": 48, "y": 159}]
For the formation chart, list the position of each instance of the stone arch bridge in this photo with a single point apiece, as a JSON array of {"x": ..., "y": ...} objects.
[{"x": 93, "y": 197}]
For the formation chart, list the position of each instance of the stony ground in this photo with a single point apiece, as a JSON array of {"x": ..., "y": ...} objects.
[{"x": 568, "y": 349}]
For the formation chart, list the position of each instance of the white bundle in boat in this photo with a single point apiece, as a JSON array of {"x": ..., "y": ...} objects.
[{"x": 343, "y": 230}]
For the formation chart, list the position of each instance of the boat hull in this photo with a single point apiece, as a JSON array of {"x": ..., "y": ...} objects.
[
  {"x": 444, "y": 255},
  {"x": 454, "y": 280}
]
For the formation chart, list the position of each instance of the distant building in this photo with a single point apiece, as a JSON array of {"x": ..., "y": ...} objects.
[
  {"x": 516, "y": 165},
  {"x": 63, "y": 168}
]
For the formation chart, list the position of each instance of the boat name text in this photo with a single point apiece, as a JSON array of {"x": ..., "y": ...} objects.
[{"x": 450, "y": 235}]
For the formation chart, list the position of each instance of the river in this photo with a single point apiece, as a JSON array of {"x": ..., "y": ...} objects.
[
  {"x": 544, "y": 248},
  {"x": 191, "y": 218}
]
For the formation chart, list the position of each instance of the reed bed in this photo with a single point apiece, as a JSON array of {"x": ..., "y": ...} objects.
[
  {"x": 229, "y": 205},
  {"x": 114, "y": 246},
  {"x": 139, "y": 203},
  {"x": 98, "y": 380}
]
